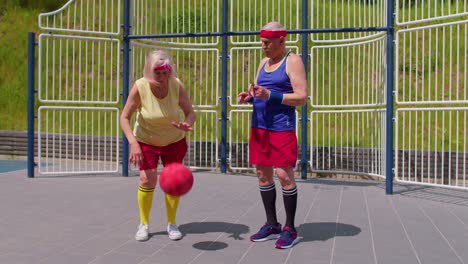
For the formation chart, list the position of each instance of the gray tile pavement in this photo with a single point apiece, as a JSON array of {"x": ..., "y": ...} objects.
[{"x": 92, "y": 219}]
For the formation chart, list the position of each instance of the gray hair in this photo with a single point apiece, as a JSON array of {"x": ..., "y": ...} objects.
[{"x": 273, "y": 26}]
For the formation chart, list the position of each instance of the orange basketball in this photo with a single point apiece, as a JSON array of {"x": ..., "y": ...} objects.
[{"x": 175, "y": 179}]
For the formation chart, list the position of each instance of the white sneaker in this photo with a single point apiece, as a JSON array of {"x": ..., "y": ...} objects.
[
  {"x": 142, "y": 233},
  {"x": 173, "y": 232}
]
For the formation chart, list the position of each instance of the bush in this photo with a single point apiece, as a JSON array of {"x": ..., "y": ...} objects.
[{"x": 46, "y": 5}]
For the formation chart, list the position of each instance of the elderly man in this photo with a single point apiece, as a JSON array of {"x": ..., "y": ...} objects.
[{"x": 279, "y": 88}]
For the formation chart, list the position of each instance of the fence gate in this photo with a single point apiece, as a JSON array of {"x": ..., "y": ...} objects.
[
  {"x": 431, "y": 93},
  {"x": 78, "y": 88}
]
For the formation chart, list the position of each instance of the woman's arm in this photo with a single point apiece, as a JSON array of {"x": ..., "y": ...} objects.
[
  {"x": 132, "y": 104},
  {"x": 186, "y": 104}
]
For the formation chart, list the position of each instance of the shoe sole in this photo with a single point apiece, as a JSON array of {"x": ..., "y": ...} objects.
[
  {"x": 288, "y": 246},
  {"x": 270, "y": 237},
  {"x": 175, "y": 238},
  {"x": 141, "y": 239}
]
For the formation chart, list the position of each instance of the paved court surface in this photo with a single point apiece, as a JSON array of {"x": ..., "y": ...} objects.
[{"x": 92, "y": 219}]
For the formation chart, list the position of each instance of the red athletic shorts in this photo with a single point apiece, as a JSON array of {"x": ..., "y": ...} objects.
[
  {"x": 171, "y": 153},
  {"x": 273, "y": 148}
]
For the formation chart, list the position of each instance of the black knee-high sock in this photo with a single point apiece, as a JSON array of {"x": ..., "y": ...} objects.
[
  {"x": 268, "y": 194},
  {"x": 290, "y": 205}
]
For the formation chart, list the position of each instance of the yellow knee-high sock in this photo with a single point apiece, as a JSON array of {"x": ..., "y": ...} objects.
[
  {"x": 145, "y": 201},
  {"x": 172, "y": 202}
]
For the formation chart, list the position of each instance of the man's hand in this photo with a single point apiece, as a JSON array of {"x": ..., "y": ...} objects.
[
  {"x": 245, "y": 97},
  {"x": 260, "y": 92}
]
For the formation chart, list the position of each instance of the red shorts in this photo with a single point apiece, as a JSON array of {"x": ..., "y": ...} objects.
[
  {"x": 273, "y": 148},
  {"x": 171, "y": 153}
]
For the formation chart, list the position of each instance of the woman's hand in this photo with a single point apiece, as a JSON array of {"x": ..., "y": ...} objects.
[
  {"x": 136, "y": 156},
  {"x": 183, "y": 126}
]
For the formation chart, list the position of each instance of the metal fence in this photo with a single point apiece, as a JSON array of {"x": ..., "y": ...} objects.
[{"x": 349, "y": 125}]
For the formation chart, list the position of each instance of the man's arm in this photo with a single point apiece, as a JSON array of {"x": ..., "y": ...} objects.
[{"x": 297, "y": 75}]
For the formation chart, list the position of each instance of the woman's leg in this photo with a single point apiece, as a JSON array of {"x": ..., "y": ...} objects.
[
  {"x": 172, "y": 202},
  {"x": 173, "y": 153},
  {"x": 146, "y": 187}
]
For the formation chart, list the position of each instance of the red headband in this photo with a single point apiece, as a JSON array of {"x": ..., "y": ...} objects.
[
  {"x": 272, "y": 33},
  {"x": 163, "y": 67}
]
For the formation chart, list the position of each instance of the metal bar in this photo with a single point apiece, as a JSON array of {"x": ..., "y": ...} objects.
[
  {"x": 242, "y": 33},
  {"x": 31, "y": 71},
  {"x": 389, "y": 116},
  {"x": 126, "y": 70},
  {"x": 305, "y": 19},
  {"x": 224, "y": 69}
]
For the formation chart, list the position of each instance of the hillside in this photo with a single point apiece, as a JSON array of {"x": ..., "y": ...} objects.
[
  {"x": 17, "y": 18},
  {"x": 13, "y": 66}
]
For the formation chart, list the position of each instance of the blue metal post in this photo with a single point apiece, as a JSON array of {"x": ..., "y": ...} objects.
[
  {"x": 305, "y": 39},
  {"x": 126, "y": 73},
  {"x": 224, "y": 56},
  {"x": 389, "y": 117},
  {"x": 31, "y": 79}
]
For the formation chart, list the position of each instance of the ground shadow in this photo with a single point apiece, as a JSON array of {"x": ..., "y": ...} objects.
[
  {"x": 432, "y": 193},
  {"x": 322, "y": 231},
  {"x": 210, "y": 245},
  {"x": 339, "y": 182},
  {"x": 234, "y": 230}
]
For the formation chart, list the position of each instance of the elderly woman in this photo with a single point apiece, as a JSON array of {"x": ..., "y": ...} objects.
[{"x": 164, "y": 113}]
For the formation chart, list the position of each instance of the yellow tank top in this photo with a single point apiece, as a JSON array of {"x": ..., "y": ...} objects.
[{"x": 153, "y": 121}]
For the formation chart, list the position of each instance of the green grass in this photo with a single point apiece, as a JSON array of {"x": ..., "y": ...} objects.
[
  {"x": 17, "y": 18},
  {"x": 13, "y": 66}
]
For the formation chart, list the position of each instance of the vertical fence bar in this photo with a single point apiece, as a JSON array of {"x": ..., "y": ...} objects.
[
  {"x": 305, "y": 39},
  {"x": 126, "y": 76},
  {"x": 389, "y": 115},
  {"x": 224, "y": 95},
  {"x": 31, "y": 76}
]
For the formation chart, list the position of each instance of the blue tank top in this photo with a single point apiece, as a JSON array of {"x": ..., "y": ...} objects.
[{"x": 270, "y": 115}]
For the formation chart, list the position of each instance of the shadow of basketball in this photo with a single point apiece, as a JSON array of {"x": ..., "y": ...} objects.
[{"x": 210, "y": 245}]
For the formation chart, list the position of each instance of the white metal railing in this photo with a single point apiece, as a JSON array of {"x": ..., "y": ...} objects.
[
  {"x": 203, "y": 141},
  {"x": 431, "y": 146},
  {"x": 347, "y": 14},
  {"x": 239, "y": 134},
  {"x": 84, "y": 16},
  {"x": 411, "y": 11},
  {"x": 432, "y": 64},
  {"x": 249, "y": 15},
  {"x": 349, "y": 75},
  {"x": 181, "y": 16},
  {"x": 77, "y": 69},
  {"x": 197, "y": 68},
  {"x": 78, "y": 140},
  {"x": 348, "y": 142}
]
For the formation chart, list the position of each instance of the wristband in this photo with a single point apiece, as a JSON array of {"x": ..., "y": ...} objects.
[
  {"x": 250, "y": 100},
  {"x": 276, "y": 97}
]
